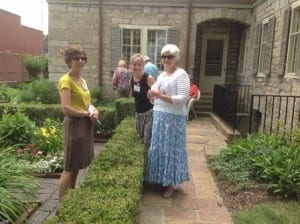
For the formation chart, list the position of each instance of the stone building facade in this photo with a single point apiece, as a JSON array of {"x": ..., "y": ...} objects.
[{"x": 222, "y": 42}]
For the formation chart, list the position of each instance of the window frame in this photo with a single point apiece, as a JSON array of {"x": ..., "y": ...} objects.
[{"x": 144, "y": 37}]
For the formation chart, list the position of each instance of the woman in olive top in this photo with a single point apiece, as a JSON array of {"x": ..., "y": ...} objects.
[{"x": 80, "y": 114}]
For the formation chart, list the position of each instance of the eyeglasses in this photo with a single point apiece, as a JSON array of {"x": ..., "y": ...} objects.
[
  {"x": 77, "y": 58},
  {"x": 167, "y": 56}
]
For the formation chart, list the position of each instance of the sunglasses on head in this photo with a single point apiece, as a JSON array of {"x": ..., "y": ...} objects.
[
  {"x": 77, "y": 58},
  {"x": 167, "y": 56}
]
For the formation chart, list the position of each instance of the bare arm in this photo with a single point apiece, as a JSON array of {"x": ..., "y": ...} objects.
[{"x": 150, "y": 80}]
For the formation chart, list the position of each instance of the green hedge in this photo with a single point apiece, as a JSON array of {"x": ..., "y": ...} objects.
[
  {"x": 110, "y": 115},
  {"x": 112, "y": 188}
]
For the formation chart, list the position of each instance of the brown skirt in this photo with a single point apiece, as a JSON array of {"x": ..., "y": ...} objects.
[{"x": 78, "y": 134}]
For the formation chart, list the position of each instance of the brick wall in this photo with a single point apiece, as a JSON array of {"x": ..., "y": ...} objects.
[{"x": 16, "y": 40}]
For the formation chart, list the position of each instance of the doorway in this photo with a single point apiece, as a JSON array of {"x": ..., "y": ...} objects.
[{"x": 213, "y": 61}]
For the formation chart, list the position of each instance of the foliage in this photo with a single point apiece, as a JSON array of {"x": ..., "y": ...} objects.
[
  {"x": 17, "y": 128},
  {"x": 15, "y": 186},
  {"x": 96, "y": 95},
  {"x": 276, "y": 213},
  {"x": 107, "y": 119},
  {"x": 35, "y": 65},
  {"x": 272, "y": 159},
  {"x": 18, "y": 95},
  {"x": 40, "y": 91},
  {"x": 29, "y": 152},
  {"x": 4, "y": 93},
  {"x": 48, "y": 138},
  {"x": 45, "y": 154},
  {"x": 42, "y": 164},
  {"x": 124, "y": 107},
  {"x": 111, "y": 190},
  {"x": 45, "y": 91},
  {"x": 36, "y": 112}
]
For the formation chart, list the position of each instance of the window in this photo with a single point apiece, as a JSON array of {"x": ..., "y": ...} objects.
[
  {"x": 155, "y": 42},
  {"x": 144, "y": 40},
  {"x": 263, "y": 47},
  {"x": 214, "y": 57},
  {"x": 131, "y": 42},
  {"x": 293, "y": 55}
]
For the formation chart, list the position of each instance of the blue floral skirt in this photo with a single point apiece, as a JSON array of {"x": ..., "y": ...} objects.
[{"x": 167, "y": 162}]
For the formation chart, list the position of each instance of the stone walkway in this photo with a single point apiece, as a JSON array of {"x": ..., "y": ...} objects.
[{"x": 195, "y": 202}]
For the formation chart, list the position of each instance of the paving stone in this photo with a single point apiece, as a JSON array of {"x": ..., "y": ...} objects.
[
  {"x": 215, "y": 217},
  {"x": 205, "y": 185},
  {"x": 180, "y": 214},
  {"x": 38, "y": 217},
  {"x": 49, "y": 206},
  {"x": 150, "y": 215}
]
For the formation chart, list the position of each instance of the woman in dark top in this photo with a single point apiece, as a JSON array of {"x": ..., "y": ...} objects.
[{"x": 140, "y": 84}]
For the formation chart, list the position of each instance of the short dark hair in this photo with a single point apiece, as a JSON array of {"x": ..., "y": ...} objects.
[{"x": 72, "y": 51}]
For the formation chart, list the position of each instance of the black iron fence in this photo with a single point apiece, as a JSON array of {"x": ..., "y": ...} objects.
[
  {"x": 231, "y": 102},
  {"x": 271, "y": 113},
  {"x": 263, "y": 113}
]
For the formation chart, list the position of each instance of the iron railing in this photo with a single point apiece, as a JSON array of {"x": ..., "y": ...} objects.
[
  {"x": 272, "y": 113},
  {"x": 231, "y": 102}
]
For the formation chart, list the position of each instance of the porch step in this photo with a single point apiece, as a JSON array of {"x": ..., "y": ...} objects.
[{"x": 203, "y": 106}]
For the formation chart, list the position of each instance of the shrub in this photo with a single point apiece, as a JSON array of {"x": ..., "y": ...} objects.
[
  {"x": 96, "y": 95},
  {"x": 16, "y": 128},
  {"x": 36, "y": 112},
  {"x": 19, "y": 95},
  {"x": 271, "y": 159},
  {"x": 3, "y": 93},
  {"x": 35, "y": 65},
  {"x": 111, "y": 190},
  {"x": 45, "y": 92}
]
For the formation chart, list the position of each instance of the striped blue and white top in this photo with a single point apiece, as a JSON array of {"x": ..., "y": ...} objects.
[{"x": 177, "y": 86}]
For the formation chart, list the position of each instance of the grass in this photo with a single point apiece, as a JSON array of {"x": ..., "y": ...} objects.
[{"x": 276, "y": 213}]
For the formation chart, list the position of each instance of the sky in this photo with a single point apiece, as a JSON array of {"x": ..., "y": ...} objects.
[{"x": 34, "y": 13}]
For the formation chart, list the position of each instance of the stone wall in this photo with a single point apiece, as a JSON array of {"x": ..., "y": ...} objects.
[
  {"x": 274, "y": 83},
  {"x": 79, "y": 23},
  {"x": 73, "y": 24},
  {"x": 140, "y": 16}
]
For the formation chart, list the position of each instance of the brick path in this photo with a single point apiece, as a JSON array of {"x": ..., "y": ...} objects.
[{"x": 196, "y": 201}]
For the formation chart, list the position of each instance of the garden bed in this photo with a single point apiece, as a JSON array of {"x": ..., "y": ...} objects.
[{"x": 236, "y": 200}]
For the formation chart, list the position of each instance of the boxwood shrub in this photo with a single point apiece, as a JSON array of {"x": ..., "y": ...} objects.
[{"x": 112, "y": 188}]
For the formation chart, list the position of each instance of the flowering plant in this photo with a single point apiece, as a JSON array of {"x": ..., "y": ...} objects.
[
  {"x": 49, "y": 137},
  {"x": 44, "y": 155},
  {"x": 34, "y": 159},
  {"x": 29, "y": 152}
]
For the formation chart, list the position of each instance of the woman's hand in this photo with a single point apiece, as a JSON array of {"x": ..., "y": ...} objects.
[
  {"x": 152, "y": 94},
  {"x": 93, "y": 114}
]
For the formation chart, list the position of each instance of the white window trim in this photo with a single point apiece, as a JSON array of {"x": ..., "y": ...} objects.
[
  {"x": 291, "y": 75},
  {"x": 144, "y": 30}
]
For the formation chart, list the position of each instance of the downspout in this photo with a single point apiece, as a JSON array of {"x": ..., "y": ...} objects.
[
  {"x": 188, "y": 35},
  {"x": 100, "y": 53}
]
